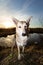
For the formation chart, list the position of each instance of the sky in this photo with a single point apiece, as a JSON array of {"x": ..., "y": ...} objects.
[{"x": 22, "y": 10}]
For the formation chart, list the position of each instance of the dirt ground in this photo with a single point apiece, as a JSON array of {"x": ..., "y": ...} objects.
[{"x": 33, "y": 55}]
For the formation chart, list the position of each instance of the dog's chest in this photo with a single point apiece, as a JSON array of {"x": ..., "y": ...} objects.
[{"x": 21, "y": 40}]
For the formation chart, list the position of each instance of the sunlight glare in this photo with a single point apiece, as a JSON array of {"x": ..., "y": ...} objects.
[{"x": 8, "y": 23}]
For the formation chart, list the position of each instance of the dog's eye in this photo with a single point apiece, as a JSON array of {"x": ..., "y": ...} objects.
[
  {"x": 19, "y": 26},
  {"x": 25, "y": 26}
]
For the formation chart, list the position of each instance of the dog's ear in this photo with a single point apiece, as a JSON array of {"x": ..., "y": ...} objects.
[
  {"x": 28, "y": 20},
  {"x": 15, "y": 20}
]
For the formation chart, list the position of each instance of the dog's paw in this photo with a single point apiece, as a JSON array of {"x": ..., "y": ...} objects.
[
  {"x": 19, "y": 57},
  {"x": 22, "y": 55}
]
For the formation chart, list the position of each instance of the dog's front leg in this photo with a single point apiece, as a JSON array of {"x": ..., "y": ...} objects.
[
  {"x": 23, "y": 49},
  {"x": 19, "y": 56}
]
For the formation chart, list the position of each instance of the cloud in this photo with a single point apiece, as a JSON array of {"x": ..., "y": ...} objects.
[
  {"x": 5, "y": 14},
  {"x": 26, "y": 5},
  {"x": 22, "y": 13},
  {"x": 3, "y": 7}
]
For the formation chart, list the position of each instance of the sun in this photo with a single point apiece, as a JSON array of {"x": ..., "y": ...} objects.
[{"x": 8, "y": 23}]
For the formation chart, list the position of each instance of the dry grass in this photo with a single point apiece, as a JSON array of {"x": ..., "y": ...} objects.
[{"x": 33, "y": 56}]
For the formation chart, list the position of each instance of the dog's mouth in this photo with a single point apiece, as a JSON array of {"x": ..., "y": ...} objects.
[{"x": 24, "y": 34}]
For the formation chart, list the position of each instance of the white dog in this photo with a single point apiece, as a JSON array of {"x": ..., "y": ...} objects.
[{"x": 22, "y": 28}]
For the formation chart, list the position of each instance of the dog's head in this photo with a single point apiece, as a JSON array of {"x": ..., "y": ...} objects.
[{"x": 22, "y": 27}]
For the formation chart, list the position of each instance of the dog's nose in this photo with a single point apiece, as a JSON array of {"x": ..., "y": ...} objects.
[{"x": 23, "y": 34}]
